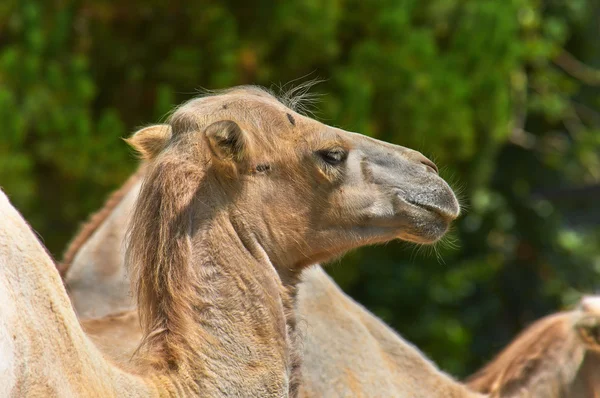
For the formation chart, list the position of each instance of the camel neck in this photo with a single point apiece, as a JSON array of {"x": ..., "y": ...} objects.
[{"x": 236, "y": 335}]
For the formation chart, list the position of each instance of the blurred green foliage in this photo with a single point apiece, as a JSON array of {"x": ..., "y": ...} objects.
[{"x": 492, "y": 90}]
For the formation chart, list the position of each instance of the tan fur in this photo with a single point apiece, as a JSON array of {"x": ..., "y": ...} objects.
[
  {"x": 95, "y": 274},
  {"x": 44, "y": 352},
  {"x": 213, "y": 259},
  {"x": 95, "y": 221},
  {"x": 117, "y": 335},
  {"x": 556, "y": 357},
  {"x": 348, "y": 352},
  {"x": 150, "y": 141}
]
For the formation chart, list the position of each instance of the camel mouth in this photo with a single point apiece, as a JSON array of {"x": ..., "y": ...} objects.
[
  {"x": 429, "y": 220},
  {"x": 447, "y": 214}
]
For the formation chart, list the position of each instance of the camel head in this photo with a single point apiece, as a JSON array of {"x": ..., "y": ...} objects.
[
  {"x": 304, "y": 191},
  {"x": 588, "y": 322}
]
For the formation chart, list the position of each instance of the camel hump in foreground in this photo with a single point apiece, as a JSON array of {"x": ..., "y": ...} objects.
[
  {"x": 214, "y": 261},
  {"x": 556, "y": 357},
  {"x": 39, "y": 333}
]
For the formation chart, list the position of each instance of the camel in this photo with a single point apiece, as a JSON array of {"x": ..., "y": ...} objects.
[
  {"x": 94, "y": 270},
  {"x": 337, "y": 330},
  {"x": 240, "y": 195},
  {"x": 556, "y": 357}
]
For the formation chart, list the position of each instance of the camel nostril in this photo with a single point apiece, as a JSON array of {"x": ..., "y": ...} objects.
[{"x": 430, "y": 165}]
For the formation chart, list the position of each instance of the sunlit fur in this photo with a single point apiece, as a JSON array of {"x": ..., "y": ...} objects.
[{"x": 43, "y": 349}]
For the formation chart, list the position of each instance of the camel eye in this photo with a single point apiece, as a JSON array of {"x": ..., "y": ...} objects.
[{"x": 333, "y": 156}]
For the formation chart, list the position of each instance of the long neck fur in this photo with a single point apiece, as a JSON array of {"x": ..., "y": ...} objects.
[{"x": 212, "y": 307}]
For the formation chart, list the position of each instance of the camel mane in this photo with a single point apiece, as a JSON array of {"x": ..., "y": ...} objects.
[{"x": 158, "y": 252}]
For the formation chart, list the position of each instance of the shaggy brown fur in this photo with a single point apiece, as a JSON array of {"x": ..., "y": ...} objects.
[{"x": 550, "y": 359}]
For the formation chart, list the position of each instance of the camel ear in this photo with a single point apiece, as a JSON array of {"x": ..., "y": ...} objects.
[
  {"x": 588, "y": 330},
  {"x": 149, "y": 141},
  {"x": 227, "y": 140}
]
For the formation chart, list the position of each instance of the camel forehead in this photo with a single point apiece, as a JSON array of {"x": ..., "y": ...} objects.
[
  {"x": 249, "y": 106},
  {"x": 234, "y": 99}
]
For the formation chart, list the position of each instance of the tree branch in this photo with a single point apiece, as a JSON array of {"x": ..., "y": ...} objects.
[{"x": 577, "y": 69}]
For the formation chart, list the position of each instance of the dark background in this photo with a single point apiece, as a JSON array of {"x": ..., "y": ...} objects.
[{"x": 503, "y": 95}]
